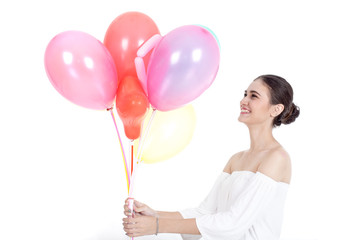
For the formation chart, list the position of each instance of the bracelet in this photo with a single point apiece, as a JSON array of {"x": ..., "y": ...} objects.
[{"x": 157, "y": 226}]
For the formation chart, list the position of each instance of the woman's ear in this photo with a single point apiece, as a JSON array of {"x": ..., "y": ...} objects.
[{"x": 276, "y": 110}]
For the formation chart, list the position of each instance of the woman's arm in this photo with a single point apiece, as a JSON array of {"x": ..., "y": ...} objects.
[
  {"x": 171, "y": 215},
  {"x": 182, "y": 226},
  {"x": 144, "y": 210},
  {"x": 146, "y": 225},
  {"x": 147, "y": 221}
]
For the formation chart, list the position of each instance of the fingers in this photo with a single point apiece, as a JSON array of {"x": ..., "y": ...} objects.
[
  {"x": 136, "y": 209},
  {"x": 127, "y": 211},
  {"x": 131, "y": 231},
  {"x": 138, "y": 204},
  {"x": 135, "y": 234},
  {"x": 130, "y": 221},
  {"x": 129, "y": 214},
  {"x": 130, "y": 227},
  {"x": 135, "y": 201},
  {"x": 139, "y": 226}
]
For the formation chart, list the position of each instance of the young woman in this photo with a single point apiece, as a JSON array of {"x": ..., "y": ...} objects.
[{"x": 247, "y": 199}]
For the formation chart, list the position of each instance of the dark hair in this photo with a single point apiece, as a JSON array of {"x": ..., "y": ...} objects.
[{"x": 281, "y": 92}]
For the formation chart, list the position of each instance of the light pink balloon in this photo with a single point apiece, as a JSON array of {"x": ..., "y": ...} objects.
[
  {"x": 81, "y": 69},
  {"x": 182, "y": 66}
]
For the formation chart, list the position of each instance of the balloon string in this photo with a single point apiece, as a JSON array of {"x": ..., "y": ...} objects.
[
  {"x": 142, "y": 130},
  {"x": 122, "y": 151},
  {"x": 132, "y": 168},
  {"x": 132, "y": 155},
  {"x": 139, "y": 152},
  {"x": 143, "y": 138}
]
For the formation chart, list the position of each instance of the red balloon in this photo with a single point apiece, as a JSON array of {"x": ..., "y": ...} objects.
[
  {"x": 124, "y": 36},
  {"x": 131, "y": 105}
]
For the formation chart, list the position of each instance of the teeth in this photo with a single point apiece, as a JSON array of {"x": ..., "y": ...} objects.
[{"x": 245, "y": 111}]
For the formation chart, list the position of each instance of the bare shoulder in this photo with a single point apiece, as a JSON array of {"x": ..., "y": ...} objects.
[
  {"x": 233, "y": 158},
  {"x": 277, "y": 165}
]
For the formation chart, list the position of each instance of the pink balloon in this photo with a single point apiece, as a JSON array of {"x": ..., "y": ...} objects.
[
  {"x": 182, "y": 66},
  {"x": 81, "y": 69}
]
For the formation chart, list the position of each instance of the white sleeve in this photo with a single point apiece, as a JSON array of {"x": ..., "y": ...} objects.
[
  {"x": 233, "y": 223},
  {"x": 208, "y": 206}
]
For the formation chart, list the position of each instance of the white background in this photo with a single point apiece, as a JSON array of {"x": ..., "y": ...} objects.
[{"x": 61, "y": 174}]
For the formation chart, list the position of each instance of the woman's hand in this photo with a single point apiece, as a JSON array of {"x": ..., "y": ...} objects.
[
  {"x": 140, "y": 226},
  {"x": 140, "y": 209}
]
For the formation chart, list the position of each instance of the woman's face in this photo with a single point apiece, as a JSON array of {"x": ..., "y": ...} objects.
[{"x": 255, "y": 106}]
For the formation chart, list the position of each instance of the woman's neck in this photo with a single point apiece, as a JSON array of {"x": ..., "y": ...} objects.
[{"x": 261, "y": 138}]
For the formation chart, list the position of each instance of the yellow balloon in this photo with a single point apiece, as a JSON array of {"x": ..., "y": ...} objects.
[{"x": 170, "y": 132}]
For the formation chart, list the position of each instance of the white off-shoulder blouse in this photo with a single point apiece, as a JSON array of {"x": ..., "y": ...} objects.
[{"x": 242, "y": 205}]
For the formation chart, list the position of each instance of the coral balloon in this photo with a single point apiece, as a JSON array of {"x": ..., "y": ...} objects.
[
  {"x": 124, "y": 36},
  {"x": 81, "y": 69},
  {"x": 183, "y": 65},
  {"x": 131, "y": 106},
  {"x": 169, "y": 134}
]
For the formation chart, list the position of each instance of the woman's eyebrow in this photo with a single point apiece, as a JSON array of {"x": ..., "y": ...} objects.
[{"x": 253, "y": 91}]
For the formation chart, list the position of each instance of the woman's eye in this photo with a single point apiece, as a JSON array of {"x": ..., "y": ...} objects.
[
  {"x": 245, "y": 94},
  {"x": 254, "y": 96}
]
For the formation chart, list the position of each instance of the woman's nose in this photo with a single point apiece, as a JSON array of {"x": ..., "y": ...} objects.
[{"x": 243, "y": 101}]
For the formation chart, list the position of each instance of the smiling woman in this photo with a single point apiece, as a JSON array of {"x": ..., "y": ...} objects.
[
  {"x": 248, "y": 197},
  {"x": 277, "y": 92},
  {"x": 61, "y": 173}
]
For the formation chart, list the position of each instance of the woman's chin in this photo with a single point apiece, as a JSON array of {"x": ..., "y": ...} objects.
[{"x": 243, "y": 119}]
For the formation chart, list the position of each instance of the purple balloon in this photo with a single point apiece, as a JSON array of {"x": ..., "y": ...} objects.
[{"x": 182, "y": 66}]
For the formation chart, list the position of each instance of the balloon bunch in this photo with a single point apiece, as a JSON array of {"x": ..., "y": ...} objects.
[{"x": 140, "y": 69}]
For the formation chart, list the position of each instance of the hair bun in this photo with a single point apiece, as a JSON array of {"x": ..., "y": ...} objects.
[{"x": 292, "y": 114}]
